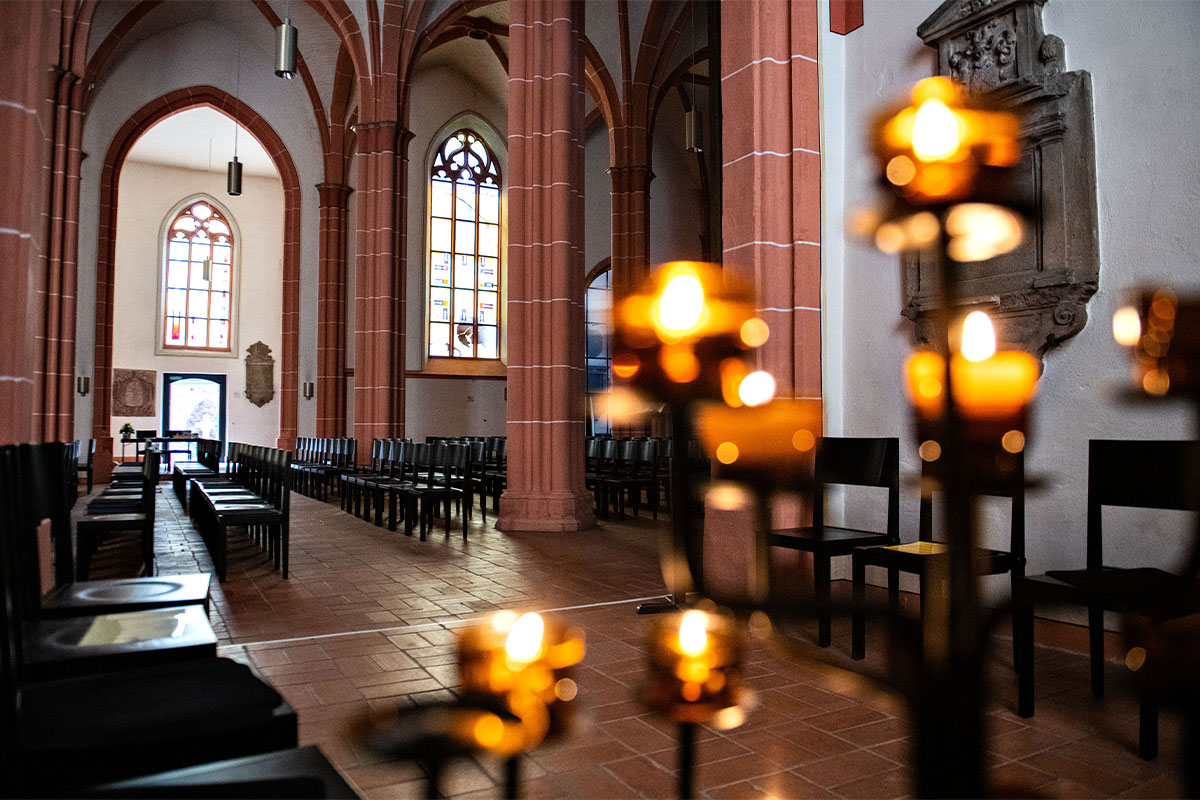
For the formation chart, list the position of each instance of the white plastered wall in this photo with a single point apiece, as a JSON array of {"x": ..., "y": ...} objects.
[
  {"x": 149, "y": 194},
  {"x": 1142, "y": 60}
]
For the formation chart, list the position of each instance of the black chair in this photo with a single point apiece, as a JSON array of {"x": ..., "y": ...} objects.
[
  {"x": 87, "y": 466},
  {"x": 1135, "y": 474},
  {"x": 43, "y": 475},
  {"x": 921, "y": 556},
  {"x": 868, "y": 462},
  {"x": 121, "y": 514}
]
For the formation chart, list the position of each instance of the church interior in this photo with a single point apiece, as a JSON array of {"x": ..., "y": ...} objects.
[{"x": 352, "y": 340}]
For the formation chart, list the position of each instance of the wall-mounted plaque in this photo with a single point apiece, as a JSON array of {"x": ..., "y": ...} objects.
[
  {"x": 133, "y": 392},
  {"x": 1037, "y": 294},
  {"x": 260, "y": 374}
]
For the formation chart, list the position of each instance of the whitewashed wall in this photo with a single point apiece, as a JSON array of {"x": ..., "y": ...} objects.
[{"x": 148, "y": 195}]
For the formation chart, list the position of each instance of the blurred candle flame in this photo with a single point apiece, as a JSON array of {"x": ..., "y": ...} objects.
[
  {"x": 935, "y": 133},
  {"x": 757, "y": 388},
  {"x": 680, "y": 306},
  {"x": 524, "y": 641},
  {"x": 978, "y": 337},
  {"x": 1127, "y": 326},
  {"x": 693, "y": 637}
]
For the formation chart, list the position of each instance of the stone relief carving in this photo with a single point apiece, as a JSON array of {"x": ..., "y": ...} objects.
[
  {"x": 260, "y": 374},
  {"x": 1037, "y": 295},
  {"x": 133, "y": 392}
]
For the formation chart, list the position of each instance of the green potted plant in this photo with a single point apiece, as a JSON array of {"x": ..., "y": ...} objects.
[{"x": 127, "y": 431}]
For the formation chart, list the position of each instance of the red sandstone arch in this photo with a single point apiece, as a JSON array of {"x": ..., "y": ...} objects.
[{"x": 140, "y": 122}]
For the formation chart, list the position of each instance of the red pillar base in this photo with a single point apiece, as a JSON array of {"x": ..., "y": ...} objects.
[{"x": 556, "y": 511}]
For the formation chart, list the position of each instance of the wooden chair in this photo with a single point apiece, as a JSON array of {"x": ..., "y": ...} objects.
[
  {"x": 918, "y": 557},
  {"x": 48, "y": 647},
  {"x": 868, "y": 462},
  {"x": 43, "y": 475},
  {"x": 1133, "y": 474},
  {"x": 120, "y": 515},
  {"x": 87, "y": 465}
]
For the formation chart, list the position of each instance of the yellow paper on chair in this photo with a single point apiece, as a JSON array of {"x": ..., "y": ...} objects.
[{"x": 919, "y": 548}]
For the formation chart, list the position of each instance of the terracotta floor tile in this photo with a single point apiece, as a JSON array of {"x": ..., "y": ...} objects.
[{"x": 895, "y": 783}]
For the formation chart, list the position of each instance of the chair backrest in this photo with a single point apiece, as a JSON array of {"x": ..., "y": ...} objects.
[
  {"x": 1012, "y": 485},
  {"x": 1138, "y": 473},
  {"x": 859, "y": 461}
]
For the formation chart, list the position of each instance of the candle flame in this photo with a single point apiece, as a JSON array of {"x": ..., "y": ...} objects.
[
  {"x": 756, "y": 388},
  {"x": 679, "y": 307},
  {"x": 935, "y": 133},
  {"x": 1127, "y": 326},
  {"x": 978, "y": 337},
  {"x": 524, "y": 641},
  {"x": 693, "y": 638}
]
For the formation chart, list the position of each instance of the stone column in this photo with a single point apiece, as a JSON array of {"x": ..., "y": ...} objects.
[
  {"x": 379, "y": 309},
  {"x": 331, "y": 311},
  {"x": 772, "y": 179},
  {"x": 29, "y": 38},
  {"x": 54, "y": 393},
  {"x": 630, "y": 227},
  {"x": 545, "y": 270}
]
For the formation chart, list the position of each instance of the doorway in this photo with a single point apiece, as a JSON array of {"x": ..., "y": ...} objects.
[{"x": 195, "y": 402}]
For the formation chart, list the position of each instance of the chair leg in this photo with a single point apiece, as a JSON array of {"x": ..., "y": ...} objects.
[
  {"x": 1096, "y": 648},
  {"x": 858, "y": 620},
  {"x": 1148, "y": 728},
  {"x": 822, "y": 593},
  {"x": 1022, "y": 631}
]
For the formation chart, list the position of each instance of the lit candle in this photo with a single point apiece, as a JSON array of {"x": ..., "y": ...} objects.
[
  {"x": 521, "y": 656},
  {"x": 992, "y": 390},
  {"x": 695, "y": 668}
]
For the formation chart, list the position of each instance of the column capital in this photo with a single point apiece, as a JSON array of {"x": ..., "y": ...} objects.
[
  {"x": 333, "y": 195},
  {"x": 380, "y": 135}
]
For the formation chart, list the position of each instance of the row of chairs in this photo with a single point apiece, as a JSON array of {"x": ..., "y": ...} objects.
[
  {"x": 634, "y": 473},
  {"x": 81, "y": 708},
  {"x": 1135, "y": 474},
  {"x": 318, "y": 463},
  {"x": 254, "y": 493},
  {"x": 416, "y": 481}
]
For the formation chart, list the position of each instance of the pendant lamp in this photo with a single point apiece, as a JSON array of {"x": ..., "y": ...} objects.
[{"x": 285, "y": 50}]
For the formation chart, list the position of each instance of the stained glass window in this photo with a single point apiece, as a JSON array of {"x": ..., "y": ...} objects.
[
  {"x": 598, "y": 357},
  {"x": 198, "y": 290},
  {"x": 464, "y": 250}
]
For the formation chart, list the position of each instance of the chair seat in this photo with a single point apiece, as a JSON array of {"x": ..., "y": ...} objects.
[
  {"x": 112, "y": 519},
  {"x": 1145, "y": 589},
  {"x": 914, "y": 556},
  {"x": 70, "y": 645},
  {"x": 834, "y": 538},
  {"x": 303, "y": 772},
  {"x": 126, "y": 594}
]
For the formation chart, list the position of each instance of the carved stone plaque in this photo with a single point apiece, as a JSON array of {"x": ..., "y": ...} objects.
[
  {"x": 1037, "y": 295},
  {"x": 133, "y": 392},
  {"x": 260, "y": 374}
]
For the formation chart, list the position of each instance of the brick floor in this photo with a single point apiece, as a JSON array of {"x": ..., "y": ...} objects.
[{"x": 366, "y": 621}]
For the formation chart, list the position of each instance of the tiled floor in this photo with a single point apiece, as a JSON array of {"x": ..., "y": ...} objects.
[{"x": 366, "y": 621}]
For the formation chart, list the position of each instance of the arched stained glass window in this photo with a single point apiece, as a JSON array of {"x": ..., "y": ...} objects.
[
  {"x": 464, "y": 250},
  {"x": 598, "y": 357},
  {"x": 198, "y": 285}
]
